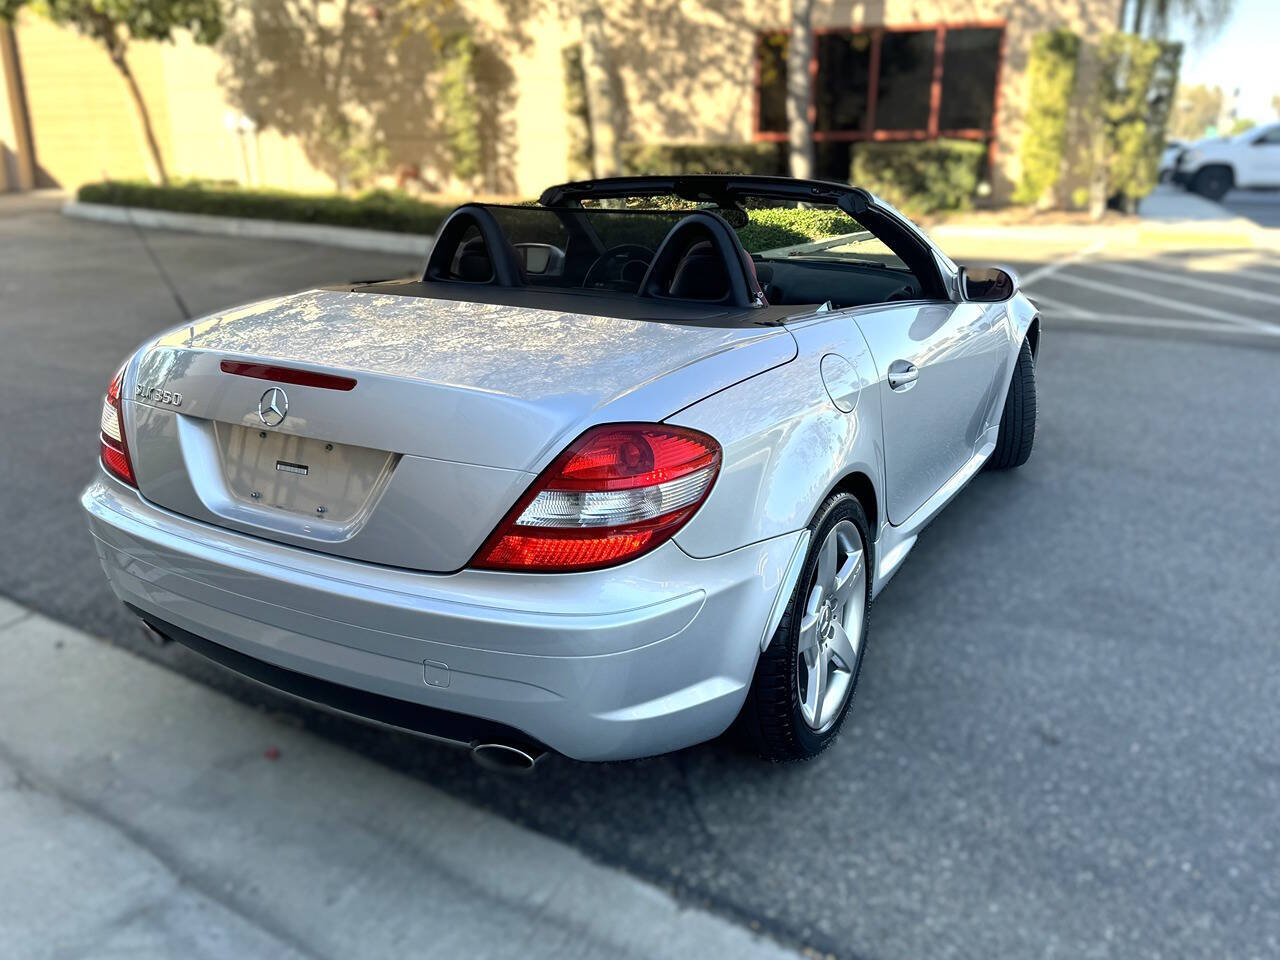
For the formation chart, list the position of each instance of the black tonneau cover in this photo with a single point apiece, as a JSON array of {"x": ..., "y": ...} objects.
[{"x": 592, "y": 303}]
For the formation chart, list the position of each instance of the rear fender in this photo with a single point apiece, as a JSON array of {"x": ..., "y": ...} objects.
[{"x": 786, "y": 443}]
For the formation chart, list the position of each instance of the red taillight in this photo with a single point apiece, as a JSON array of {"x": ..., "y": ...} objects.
[
  {"x": 618, "y": 491},
  {"x": 114, "y": 447}
]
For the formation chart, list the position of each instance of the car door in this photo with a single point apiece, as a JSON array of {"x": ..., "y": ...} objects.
[
  {"x": 940, "y": 366},
  {"x": 1260, "y": 160}
]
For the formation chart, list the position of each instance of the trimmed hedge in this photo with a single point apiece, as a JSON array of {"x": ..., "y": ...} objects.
[
  {"x": 383, "y": 210},
  {"x": 1052, "y": 69},
  {"x": 376, "y": 210},
  {"x": 920, "y": 176},
  {"x": 668, "y": 158},
  {"x": 780, "y": 227}
]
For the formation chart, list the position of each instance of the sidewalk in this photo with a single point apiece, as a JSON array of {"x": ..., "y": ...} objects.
[
  {"x": 1170, "y": 218},
  {"x": 143, "y": 815},
  {"x": 31, "y": 201}
]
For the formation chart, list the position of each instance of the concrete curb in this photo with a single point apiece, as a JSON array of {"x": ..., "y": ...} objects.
[
  {"x": 1236, "y": 233},
  {"x": 145, "y": 813},
  {"x": 351, "y": 238}
]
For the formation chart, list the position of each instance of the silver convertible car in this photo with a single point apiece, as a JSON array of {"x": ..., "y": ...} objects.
[{"x": 618, "y": 471}]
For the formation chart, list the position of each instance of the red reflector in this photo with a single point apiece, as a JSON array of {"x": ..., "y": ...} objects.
[
  {"x": 117, "y": 463},
  {"x": 577, "y": 552},
  {"x": 303, "y": 378}
]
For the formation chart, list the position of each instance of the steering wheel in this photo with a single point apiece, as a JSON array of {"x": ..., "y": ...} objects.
[
  {"x": 904, "y": 292},
  {"x": 614, "y": 270}
]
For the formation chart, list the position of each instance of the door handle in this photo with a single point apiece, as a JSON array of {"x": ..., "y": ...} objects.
[{"x": 902, "y": 374}]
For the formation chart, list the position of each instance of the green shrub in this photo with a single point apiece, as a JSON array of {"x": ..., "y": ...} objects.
[
  {"x": 457, "y": 94},
  {"x": 920, "y": 176},
  {"x": 1052, "y": 70},
  {"x": 577, "y": 116},
  {"x": 376, "y": 210},
  {"x": 667, "y": 158},
  {"x": 1135, "y": 89},
  {"x": 770, "y": 228},
  {"x": 387, "y": 210}
]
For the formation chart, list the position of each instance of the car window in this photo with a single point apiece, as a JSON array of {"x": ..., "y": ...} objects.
[{"x": 860, "y": 247}]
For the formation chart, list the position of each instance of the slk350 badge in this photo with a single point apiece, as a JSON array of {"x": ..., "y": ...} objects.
[{"x": 157, "y": 395}]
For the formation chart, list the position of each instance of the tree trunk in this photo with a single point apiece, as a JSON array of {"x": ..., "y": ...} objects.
[
  {"x": 158, "y": 172},
  {"x": 800, "y": 89},
  {"x": 1139, "y": 14},
  {"x": 602, "y": 111}
]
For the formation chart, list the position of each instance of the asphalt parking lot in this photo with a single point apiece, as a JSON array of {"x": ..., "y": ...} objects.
[
  {"x": 1260, "y": 206},
  {"x": 1066, "y": 742}
]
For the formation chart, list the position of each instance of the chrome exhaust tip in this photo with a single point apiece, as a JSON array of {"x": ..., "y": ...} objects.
[
  {"x": 505, "y": 757},
  {"x": 154, "y": 635}
]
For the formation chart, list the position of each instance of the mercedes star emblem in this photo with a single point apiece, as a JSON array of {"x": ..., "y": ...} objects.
[{"x": 273, "y": 407}]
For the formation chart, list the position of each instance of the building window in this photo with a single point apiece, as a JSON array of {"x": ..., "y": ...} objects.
[
  {"x": 771, "y": 83},
  {"x": 905, "y": 79},
  {"x": 842, "y": 89},
  {"x": 970, "y": 63},
  {"x": 887, "y": 83}
]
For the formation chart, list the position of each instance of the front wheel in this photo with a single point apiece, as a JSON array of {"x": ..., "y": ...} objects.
[
  {"x": 1213, "y": 182},
  {"x": 805, "y": 678},
  {"x": 1018, "y": 421}
]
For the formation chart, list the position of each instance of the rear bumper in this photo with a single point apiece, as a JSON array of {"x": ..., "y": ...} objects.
[{"x": 641, "y": 659}]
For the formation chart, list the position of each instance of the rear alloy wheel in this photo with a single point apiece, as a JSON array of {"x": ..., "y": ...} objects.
[
  {"x": 1213, "y": 182},
  {"x": 805, "y": 679}
]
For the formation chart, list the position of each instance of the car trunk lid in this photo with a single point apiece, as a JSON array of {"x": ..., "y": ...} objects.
[{"x": 455, "y": 407}]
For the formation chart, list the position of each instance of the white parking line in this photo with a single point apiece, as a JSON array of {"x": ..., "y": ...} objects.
[
  {"x": 1058, "y": 308},
  {"x": 1049, "y": 269},
  {"x": 1166, "y": 302},
  {"x": 1175, "y": 323},
  {"x": 1264, "y": 275},
  {"x": 1162, "y": 276}
]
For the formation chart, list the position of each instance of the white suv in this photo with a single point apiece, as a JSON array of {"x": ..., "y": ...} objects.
[{"x": 1212, "y": 167}]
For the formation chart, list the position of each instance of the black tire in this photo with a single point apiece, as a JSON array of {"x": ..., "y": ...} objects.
[
  {"x": 1213, "y": 181},
  {"x": 1018, "y": 421},
  {"x": 771, "y": 720}
]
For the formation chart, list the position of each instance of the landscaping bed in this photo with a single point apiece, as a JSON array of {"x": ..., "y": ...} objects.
[
  {"x": 377, "y": 210},
  {"x": 399, "y": 213}
]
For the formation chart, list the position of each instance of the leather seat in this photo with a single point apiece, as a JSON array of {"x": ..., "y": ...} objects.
[{"x": 700, "y": 275}]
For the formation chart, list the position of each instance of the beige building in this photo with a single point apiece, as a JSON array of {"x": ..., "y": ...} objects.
[{"x": 273, "y": 106}]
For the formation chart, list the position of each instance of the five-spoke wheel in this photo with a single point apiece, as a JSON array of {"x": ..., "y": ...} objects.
[
  {"x": 806, "y": 676},
  {"x": 831, "y": 628}
]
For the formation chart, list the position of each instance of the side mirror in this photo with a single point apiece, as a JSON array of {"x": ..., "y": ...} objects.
[
  {"x": 540, "y": 259},
  {"x": 987, "y": 284}
]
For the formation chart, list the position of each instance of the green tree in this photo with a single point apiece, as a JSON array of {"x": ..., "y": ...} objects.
[
  {"x": 1130, "y": 107},
  {"x": 1052, "y": 70},
  {"x": 800, "y": 89},
  {"x": 115, "y": 23},
  {"x": 1151, "y": 18},
  {"x": 1195, "y": 109}
]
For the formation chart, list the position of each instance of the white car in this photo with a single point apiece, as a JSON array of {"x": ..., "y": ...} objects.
[
  {"x": 599, "y": 481},
  {"x": 1249, "y": 160},
  {"x": 1169, "y": 159}
]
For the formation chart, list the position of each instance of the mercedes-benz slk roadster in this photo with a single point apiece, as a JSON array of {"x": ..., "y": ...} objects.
[{"x": 618, "y": 471}]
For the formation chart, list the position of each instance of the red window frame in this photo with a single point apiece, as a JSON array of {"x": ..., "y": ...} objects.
[{"x": 869, "y": 131}]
